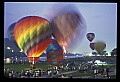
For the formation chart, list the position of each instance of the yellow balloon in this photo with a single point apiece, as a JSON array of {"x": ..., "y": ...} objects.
[{"x": 99, "y": 46}]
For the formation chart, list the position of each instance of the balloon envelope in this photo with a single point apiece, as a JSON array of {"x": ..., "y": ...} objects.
[
  {"x": 99, "y": 46},
  {"x": 54, "y": 53},
  {"x": 10, "y": 33},
  {"x": 92, "y": 46},
  {"x": 69, "y": 27},
  {"x": 32, "y": 34},
  {"x": 90, "y": 36}
]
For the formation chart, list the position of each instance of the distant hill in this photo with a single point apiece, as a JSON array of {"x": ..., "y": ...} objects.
[{"x": 14, "y": 47}]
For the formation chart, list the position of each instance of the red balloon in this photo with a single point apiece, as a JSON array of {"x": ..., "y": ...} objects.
[{"x": 92, "y": 46}]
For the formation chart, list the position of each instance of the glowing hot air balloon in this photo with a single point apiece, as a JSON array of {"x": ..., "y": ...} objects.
[
  {"x": 99, "y": 46},
  {"x": 90, "y": 36},
  {"x": 32, "y": 34},
  {"x": 54, "y": 53},
  {"x": 69, "y": 27}
]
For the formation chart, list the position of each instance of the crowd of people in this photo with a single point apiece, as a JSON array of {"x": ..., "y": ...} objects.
[
  {"x": 52, "y": 72},
  {"x": 56, "y": 72}
]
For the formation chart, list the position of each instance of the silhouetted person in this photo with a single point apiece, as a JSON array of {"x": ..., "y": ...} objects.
[{"x": 107, "y": 71}]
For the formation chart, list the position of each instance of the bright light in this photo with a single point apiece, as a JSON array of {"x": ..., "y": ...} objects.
[
  {"x": 98, "y": 62},
  {"x": 109, "y": 55},
  {"x": 65, "y": 56},
  {"x": 33, "y": 61},
  {"x": 21, "y": 50},
  {"x": 90, "y": 54},
  {"x": 64, "y": 49},
  {"x": 16, "y": 59},
  {"x": 98, "y": 54},
  {"x": 7, "y": 60},
  {"x": 77, "y": 55},
  {"x": 8, "y": 48},
  {"x": 12, "y": 50}
]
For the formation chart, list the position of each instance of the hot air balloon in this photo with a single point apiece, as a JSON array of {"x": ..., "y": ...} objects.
[
  {"x": 92, "y": 46},
  {"x": 10, "y": 31},
  {"x": 54, "y": 53},
  {"x": 11, "y": 34},
  {"x": 99, "y": 46},
  {"x": 32, "y": 34},
  {"x": 90, "y": 36},
  {"x": 69, "y": 27}
]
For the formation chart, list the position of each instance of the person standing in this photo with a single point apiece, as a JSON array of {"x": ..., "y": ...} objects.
[{"x": 107, "y": 71}]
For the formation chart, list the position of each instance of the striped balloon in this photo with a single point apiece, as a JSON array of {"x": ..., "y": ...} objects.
[
  {"x": 54, "y": 53},
  {"x": 32, "y": 34}
]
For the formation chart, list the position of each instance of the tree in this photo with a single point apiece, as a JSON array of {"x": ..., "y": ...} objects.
[{"x": 114, "y": 52}]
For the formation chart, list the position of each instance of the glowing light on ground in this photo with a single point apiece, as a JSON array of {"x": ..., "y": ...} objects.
[
  {"x": 7, "y": 60},
  {"x": 8, "y": 48},
  {"x": 12, "y": 50}
]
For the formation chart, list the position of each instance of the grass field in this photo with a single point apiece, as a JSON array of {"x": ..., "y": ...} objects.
[
  {"x": 19, "y": 67},
  {"x": 43, "y": 66}
]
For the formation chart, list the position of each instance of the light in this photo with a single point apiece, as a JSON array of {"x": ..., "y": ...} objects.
[
  {"x": 98, "y": 62},
  {"x": 8, "y": 48},
  {"x": 109, "y": 55},
  {"x": 12, "y": 50},
  {"x": 98, "y": 54},
  {"x": 16, "y": 59},
  {"x": 7, "y": 60},
  {"x": 64, "y": 49},
  {"x": 21, "y": 50},
  {"x": 90, "y": 54},
  {"x": 33, "y": 61}
]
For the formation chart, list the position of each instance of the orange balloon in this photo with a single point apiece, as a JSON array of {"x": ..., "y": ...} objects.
[{"x": 32, "y": 34}]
